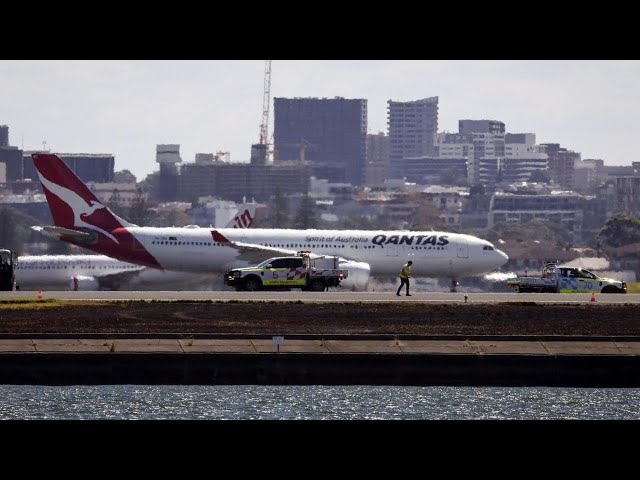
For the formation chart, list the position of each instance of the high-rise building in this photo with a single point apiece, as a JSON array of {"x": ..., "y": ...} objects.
[
  {"x": 482, "y": 143},
  {"x": 562, "y": 165},
  {"x": 10, "y": 156},
  {"x": 627, "y": 191},
  {"x": 168, "y": 156},
  {"x": 488, "y": 149},
  {"x": 412, "y": 130},
  {"x": 4, "y": 135},
  {"x": 233, "y": 181},
  {"x": 522, "y": 158},
  {"x": 480, "y": 126},
  {"x": 330, "y": 133},
  {"x": 377, "y": 167},
  {"x": 90, "y": 167}
]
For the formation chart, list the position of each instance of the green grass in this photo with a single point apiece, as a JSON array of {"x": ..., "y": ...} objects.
[
  {"x": 34, "y": 303},
  {"x": 30, "y": 303},
  {"x": 633, "y": 287}
]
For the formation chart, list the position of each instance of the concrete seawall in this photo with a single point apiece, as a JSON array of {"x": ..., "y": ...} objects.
[{"x": 341, "y": 360}]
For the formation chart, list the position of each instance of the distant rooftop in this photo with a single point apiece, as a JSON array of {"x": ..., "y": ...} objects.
[{"x": 29, "y": 152}]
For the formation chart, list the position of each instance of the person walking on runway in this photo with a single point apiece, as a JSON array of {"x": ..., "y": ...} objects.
[{"x": 405, "y": 275}]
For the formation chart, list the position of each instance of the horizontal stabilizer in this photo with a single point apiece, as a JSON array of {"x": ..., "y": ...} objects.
[{"x": 74, "y": 235}]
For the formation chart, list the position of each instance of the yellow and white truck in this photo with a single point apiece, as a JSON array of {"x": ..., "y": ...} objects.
[{"x": 304, "y": 271}]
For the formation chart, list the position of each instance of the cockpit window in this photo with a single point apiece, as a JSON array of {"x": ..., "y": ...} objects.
[{"x": 487, "y": 247}]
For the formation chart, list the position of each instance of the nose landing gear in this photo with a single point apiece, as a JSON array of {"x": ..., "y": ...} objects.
[{"x": 454, "y": 285}]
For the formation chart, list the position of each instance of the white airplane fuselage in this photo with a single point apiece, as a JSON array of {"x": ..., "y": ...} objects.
[
  {"x": 41, "y": 270},
  {"x": 59, "y": 271},
  {"x": 434, "y": 254}
]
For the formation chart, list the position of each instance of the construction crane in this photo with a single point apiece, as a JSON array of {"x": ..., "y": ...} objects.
[
  {"x": 266, "y": 100},
  {"x": 260, "y": 151}
]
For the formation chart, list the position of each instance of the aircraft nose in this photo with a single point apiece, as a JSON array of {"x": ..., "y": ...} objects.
[{"x": 504, "y": 258}]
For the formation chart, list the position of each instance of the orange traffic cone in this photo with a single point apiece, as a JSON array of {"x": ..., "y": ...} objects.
[
  {"x": 39, "y": 294},
  {"x": 593, "y": 297}
]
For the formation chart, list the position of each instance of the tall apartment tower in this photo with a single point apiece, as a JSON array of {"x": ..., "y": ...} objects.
[
  {"x": 330, "y": 133},
  {"x": 10, "y": 156},
  {"x": 377, "y": 168},
  {"x": 412, "y": 131},
  {"x": 4, "y": 135},
  {"x": 562, "y": 165},
  {"x": 482, "y": 143}
]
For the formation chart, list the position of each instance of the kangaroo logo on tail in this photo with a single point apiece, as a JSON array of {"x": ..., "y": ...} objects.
[
  {"x": 78, "y": 204},
  {"x": 59, "y": 181}
]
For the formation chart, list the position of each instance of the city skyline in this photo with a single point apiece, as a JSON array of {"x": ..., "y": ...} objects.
[{"x": 128, "y": 107}]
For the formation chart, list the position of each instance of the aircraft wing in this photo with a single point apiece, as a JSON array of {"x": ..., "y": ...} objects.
[
  {"x": 251, "y": 252},
  {"x": 114, "y": 281},
  {"x": 253, "y": 248}
]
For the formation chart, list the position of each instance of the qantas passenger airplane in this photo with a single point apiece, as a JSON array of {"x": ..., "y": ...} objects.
[
  {"x": 99, "y": 272},
  {"x": 82, "y": 220}
]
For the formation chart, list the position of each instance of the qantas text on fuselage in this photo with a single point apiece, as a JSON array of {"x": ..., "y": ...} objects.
[{"x": 434, "y": 254}]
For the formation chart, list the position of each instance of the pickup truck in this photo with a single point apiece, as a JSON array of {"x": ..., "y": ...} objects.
[
  {"x": 314, "y": 273},
  {"x": 564, "y": 279}
]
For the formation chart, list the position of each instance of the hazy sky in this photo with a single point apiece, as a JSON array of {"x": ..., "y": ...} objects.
[{"x": 127, "y": 107}]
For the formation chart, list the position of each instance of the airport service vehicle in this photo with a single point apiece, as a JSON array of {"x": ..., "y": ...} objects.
[
  {"x": 80, "y": 219},
  {"x": 7, "y": 270},
  {"x": 314, "y": 273},
  {"x": 563, "y": 279}
]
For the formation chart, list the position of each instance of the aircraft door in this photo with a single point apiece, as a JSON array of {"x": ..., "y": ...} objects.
[{"x": 463, "y": 248}]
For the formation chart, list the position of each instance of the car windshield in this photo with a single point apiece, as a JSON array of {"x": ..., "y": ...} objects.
[
  {"x": 265, "y": 263},
  {"x": 5, "y": 259},
  {"x": 587, "y": 274}
]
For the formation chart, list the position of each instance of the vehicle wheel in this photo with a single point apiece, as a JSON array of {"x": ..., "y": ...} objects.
[
  {"x": 609, "y": 289},
  {"x": 252, "y": 284},
  {"x": 317, "y": 286}
]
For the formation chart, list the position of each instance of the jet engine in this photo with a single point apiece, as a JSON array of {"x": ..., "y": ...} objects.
[{"x": 358, "y": 278}]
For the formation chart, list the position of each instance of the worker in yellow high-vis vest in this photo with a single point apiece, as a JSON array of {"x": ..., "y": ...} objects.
[{"x": 405, "y": 275}]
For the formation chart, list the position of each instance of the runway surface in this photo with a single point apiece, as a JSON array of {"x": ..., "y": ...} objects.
[{"x": 329, "y": 297}]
